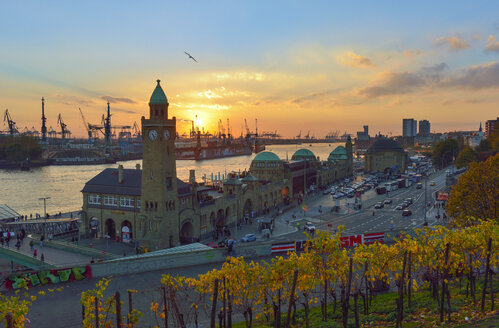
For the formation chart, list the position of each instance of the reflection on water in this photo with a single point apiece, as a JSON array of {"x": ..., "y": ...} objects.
[{"x": 21, "y": 190}]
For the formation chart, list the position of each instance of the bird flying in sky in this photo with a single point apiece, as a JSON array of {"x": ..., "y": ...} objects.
[{"x": 188, "y": 54}]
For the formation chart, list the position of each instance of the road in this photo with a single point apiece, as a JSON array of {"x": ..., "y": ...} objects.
[{"x": 363, "y": 221}]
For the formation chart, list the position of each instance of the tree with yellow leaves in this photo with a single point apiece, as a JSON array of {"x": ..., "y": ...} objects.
[{"x": 476, "y": 194}]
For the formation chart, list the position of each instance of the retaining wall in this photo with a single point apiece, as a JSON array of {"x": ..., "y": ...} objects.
[{"x": 139, "y": 263}]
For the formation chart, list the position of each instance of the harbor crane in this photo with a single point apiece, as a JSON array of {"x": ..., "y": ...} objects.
[
  {"x": 87, "y": 127},
  {"x": 308, "y": 135},
  {"x": 44, "y": 121},
  {"x": 299, "y": 135},
  {"x": 64, "y": 130},
  {"x": 12, "y": 125},
  {"x": 228, "y": 130}
]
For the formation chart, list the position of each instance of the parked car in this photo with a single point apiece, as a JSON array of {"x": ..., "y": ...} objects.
[
  {"x": 379, "y": 205},
  {"x": 432, "y": 183},
  {"x": 400, "y": 207},
  {"x": 309, "y": 227},
  {"x": 409, "y": 200},
  {"x": 212, "y": 245},
  {"x": 405, "y": 203},
  {"x": 388, "y": 201},
  {"x": 249, "y": 237},
  {"x": 406, "y": 213},
  {"x": 419, "y": 185},
  {"x": 326, "y": 192},
  {"x": 338, "y": 195}
]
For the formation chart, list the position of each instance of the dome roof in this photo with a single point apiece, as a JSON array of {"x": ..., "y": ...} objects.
[
  {"x": 384, "y": 144},
  {"x": 267, "y": 156},
  {"x": 303, "y": 153},
  {"x": 158, "y": 96},
  {"x": 338, "y": 153}
]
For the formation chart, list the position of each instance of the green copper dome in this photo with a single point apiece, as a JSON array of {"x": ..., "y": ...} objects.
[
  {"x": 303, "y": 154},
  {"x": 158, "y": 97},
  {"x": 267, "y": 156},
  {"x": 339, "y": 153}
]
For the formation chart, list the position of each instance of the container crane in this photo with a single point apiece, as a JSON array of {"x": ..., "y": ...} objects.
[
  {"x": 308, "y": 135},
  {"x": 299, "y": 135},
  {"x": 12, "y": 125}
]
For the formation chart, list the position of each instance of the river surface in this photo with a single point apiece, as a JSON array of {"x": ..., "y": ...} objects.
[{"x": 21, "y": 190}]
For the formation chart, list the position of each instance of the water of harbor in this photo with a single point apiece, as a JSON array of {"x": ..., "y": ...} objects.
[{"x": 21, "y": 190}]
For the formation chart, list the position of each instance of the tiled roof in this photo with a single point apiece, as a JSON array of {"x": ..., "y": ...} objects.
[{"x": 106, "y": 182}]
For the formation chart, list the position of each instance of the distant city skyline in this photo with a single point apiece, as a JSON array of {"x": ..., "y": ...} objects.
[{"x": 321, "y": 67}]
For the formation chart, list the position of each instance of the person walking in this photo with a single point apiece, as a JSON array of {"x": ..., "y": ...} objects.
[
  {"x": 34, "y": 253},
  {"x": 42, "y": 258},
  {"x": 231, "y": 247},
  {"x": 42, "y": 238},
  {"x": 31, "y": 244}
]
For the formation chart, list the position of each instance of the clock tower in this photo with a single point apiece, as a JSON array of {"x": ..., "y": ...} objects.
[{"x": 159, "y": 216}]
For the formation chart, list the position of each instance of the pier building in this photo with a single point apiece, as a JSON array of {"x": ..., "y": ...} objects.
[
  {"x": 152, "y": 206},
  {"x": 385, "y": 155}
]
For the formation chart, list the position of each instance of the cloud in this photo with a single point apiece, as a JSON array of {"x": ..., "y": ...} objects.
[
  {"x": 71, "y": 100},
  {"x": 463, "y": 101},
  {"x": 476, "y": 77},
  {"x": 117, "y": 100},
  {"x": 390, "y": 83},
  {"x": 412, "y": 53},
  {"x": 492, "y": 44},
  {"x": 398, "y": 83},
  {"x": 353, "y": 60},
  {"x": 455, "y": 43},
  {"x": 123, "y": 110}
]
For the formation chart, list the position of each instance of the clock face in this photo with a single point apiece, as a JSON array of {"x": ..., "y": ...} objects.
[
  {"x": 153, "y": 135},
  {"x": 166, "y": 134}
]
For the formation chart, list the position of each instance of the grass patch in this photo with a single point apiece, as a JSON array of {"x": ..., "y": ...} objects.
[{"x": 424, "y": 312}]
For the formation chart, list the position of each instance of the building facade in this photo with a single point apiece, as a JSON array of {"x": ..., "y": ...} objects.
[
  {"x": 490, "y": 126},
  {"x": 152, "y": 206},
  {"x": 385, "y": 155},
  {"x": 409, "y": 127},
  {"x": 424, "y": 128}
]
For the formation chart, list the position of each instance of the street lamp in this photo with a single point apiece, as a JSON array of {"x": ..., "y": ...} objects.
[
  {"x": 44, "y": 211},
  {"x": 425, "y": 204}
]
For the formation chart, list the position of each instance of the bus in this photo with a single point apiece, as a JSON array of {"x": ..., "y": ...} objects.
[{"x": 392, "y": 185}]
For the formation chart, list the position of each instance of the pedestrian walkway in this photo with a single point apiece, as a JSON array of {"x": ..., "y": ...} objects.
[{"x": 52, "y": 256}]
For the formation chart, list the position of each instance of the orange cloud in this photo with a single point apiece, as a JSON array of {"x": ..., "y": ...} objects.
[
  {"x": 353, "y": 60},
  {"x": 492, "y": 44},
  {"x": 412, "y": 53},
  {"x": 454, "y": 43}
]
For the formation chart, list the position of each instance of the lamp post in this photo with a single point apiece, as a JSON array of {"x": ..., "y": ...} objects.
[
  {"x": 425, "y": 204},
  {"x": 44, "y": 211}
]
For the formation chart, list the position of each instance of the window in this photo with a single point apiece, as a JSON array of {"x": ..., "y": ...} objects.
[
  {"x": 169, "y": 183},
  {"x": 94, "y": 199},
  {"x": 110, "y": 201},
  {"x": 126, "y": 202},
  {"x": 138, "y": 202}
]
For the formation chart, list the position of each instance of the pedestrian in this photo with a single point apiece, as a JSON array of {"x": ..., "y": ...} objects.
[
  {"x": 31, "y": 244},
  {"x": 231, "y": 247},
  {"x": 18, "y": 244},
  {"x": 34, "y": 253},
  {"x": 42, "y": 238},
  {"x": 42, "y": 258}
]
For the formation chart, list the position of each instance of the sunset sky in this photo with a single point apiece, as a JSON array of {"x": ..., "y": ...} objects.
[{"x": 295, "y": 65}]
